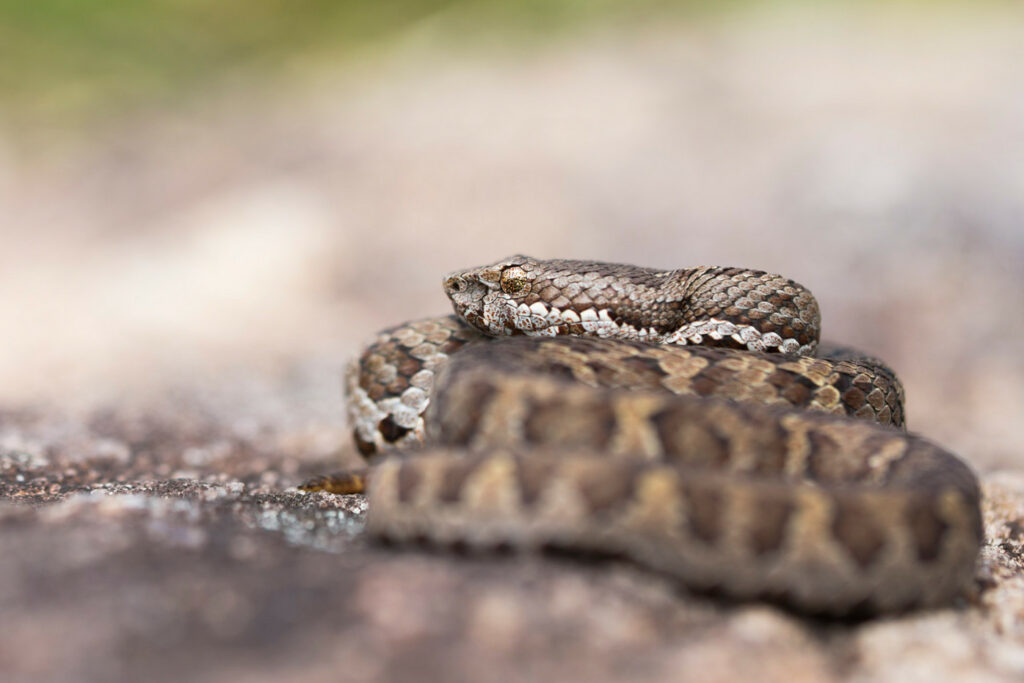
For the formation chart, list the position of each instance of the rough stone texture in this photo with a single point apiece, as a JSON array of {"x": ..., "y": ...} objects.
[
  {"x": 169, "y": 547},
  {"x": 175, "y": 324}
]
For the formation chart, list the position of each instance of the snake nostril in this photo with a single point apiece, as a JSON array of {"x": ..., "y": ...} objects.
[{"x": 456, "y": 284}]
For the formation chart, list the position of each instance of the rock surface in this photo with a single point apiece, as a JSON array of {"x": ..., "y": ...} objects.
[{"x": 172, "y": 547}]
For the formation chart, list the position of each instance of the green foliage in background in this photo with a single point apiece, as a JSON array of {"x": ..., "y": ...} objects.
[
  {"x": 67, "y": 58},
  {"x": 66, "y": 61}
]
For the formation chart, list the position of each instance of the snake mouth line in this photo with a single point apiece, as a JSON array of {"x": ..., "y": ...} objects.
[
  {"x": 538, "y": 320},
  {"x": 582, "y": 328}
]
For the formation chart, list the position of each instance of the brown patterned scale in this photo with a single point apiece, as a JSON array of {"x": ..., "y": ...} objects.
[{"x": 622, "y": 419}]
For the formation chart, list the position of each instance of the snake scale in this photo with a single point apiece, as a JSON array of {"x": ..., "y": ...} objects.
[{"x": 686, "y": 420}]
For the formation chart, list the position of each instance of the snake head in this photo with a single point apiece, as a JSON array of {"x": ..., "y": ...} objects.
[
  {"x": 709, "y": 305},
  {"x": 487, "y": 297}
]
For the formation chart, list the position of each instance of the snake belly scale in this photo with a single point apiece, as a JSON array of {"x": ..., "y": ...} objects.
[{"x": 686, "y": 420}]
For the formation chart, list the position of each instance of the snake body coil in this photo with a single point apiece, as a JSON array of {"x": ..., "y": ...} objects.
[{"x": 677, "y": 418}]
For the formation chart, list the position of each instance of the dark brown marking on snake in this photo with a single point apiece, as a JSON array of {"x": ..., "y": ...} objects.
[
  {"x": 926, "y": 527},
  {"x": 856, "y": 530},
  {"x": 409, "y": 366},
  {"x": 718, "y": 374},
  {"x": 602, "y": 492},
  {"x": 391, "y": 431},
  {"x": 796, "y": 394},
  {"x": 781, "y": 379},
  {"x": 800, "y": 391},
  {"x": 854, "y": 398},
  {"x": 533, "y": 476},
  {"x": 561, "y": 371},
  {"x": 728, "y": 343},
  {"x": 702, "y": 386},
  {"x": 687, "y": 441},
  {"x": 892, "y": 398},
  {"x": 365, "y": 448},
  {"x": 768, "y": 527},
  {"x": 409, "y": 478},
  {"x": 454, "y": 477},
  {"x": 451, "y": 346},
  {"x": 773, "y": 456},
  {"x": 473, "y": 402},
  {"x": 704, "y": 510}
]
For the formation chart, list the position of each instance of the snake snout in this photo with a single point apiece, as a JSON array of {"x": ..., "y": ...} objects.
[
  {"x": 464, "y": 289},
  {"x": 454, "y": 285}
]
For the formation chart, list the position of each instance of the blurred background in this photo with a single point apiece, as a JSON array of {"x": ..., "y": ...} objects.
[{"x": 199, "y": 195}]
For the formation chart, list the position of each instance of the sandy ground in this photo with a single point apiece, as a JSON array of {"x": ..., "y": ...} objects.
[{"x": 179, "y": 290}]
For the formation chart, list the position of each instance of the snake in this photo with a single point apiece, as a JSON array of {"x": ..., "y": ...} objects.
[{"x": 689, "y": 421}]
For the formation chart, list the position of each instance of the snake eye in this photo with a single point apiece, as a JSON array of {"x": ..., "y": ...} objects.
[{"x": 513, "y": 280}]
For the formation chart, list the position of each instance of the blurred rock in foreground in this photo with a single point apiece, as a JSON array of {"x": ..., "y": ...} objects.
[{"x": 173, "y": 547}]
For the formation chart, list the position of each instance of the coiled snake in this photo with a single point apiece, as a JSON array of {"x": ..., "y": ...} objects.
[{"x": 678, "y": 418}]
